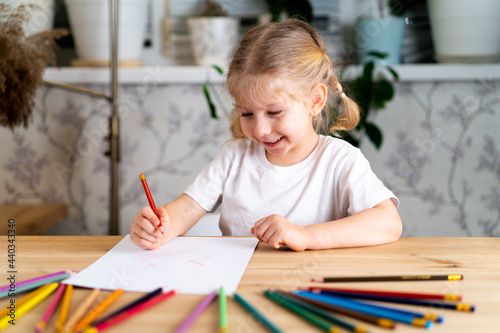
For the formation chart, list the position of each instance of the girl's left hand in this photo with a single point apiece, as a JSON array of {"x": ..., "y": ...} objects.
[{"x": 276, "y": 231}]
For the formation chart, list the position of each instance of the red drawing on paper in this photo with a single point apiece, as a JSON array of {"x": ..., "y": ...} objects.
[{"x": 191, "y": 259}]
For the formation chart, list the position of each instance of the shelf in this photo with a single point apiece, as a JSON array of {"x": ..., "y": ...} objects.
[{"x": 200, "y": 74}]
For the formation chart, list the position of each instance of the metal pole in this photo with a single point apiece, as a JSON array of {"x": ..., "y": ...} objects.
[
  {"x": 114, "y": 139},
  {"x": 76, "y": 89}
]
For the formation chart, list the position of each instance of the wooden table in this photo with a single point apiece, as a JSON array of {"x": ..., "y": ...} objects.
[
  {"x": 478, "y": 259},
  {"x": 32, "y": 219}
]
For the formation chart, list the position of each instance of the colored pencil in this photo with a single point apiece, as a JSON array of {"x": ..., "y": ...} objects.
[
  {"x": 199, "y": 309},
  {"x": 449, "y": 277},
  {"x": 257, "y": 314},
  {"x": 368, "y": 308},
  {"x": 42, "y": 324},
  {"x": 22, "y": 300},
  {"x": 80, "y": 311},
  {"x": 63, "y": 313},
  {"x": 149, "y": 196},
  {"x": 130, "y": 312},
  {"x": 366, "y": 317},
  {"x": 324, "y": 314},
  {"x": 425, "y": 315},
  {"x": 92, "y": 315},
  {"x": 25, "y": 282},
  {"x": 38, "y": 283},
  {"x": 130, "y": 305},
  {"x": 401, "y": 300},
  {"x": 20, "y": 311},
  {"x": 444, "y": 297},
  {"x": 223, "y": 326},
  {"x": 304, "y": 313}
]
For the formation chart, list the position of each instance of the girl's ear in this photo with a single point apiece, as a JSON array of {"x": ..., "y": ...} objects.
[{"x": 319, "y": 94}]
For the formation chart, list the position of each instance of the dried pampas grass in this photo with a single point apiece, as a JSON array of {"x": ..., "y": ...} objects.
[{"x": 22, "y": 62}]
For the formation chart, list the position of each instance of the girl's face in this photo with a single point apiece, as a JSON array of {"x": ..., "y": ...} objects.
[{"x": 281, "y": 125}]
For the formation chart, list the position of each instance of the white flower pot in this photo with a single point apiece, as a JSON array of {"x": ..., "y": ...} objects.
[
  {"x": 465, "y": 31},
  {"x": 213, "y": 39},
  {"x": 89, "y": 21}
]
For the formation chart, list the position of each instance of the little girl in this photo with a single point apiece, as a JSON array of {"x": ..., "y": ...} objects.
[{"x": 278, "y": 179}]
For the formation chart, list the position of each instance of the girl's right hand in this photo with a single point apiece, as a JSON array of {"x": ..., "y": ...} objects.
[{"x": 145, "y": 231}]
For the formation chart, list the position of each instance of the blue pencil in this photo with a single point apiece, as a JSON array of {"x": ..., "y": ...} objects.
[
  {"x": 402, "y": 300},
  {"x": 260, "y": 317},
  {"x": 367, "y": 308},
  {"x": 323, "y": 313}
]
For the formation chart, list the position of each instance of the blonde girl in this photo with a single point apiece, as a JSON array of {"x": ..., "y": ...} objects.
[{"x": 279, "y": 179}]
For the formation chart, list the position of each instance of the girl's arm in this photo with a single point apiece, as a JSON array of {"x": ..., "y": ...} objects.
[
  {"x": 378, "y": 225},
  {"x": 177, "y": 218}
]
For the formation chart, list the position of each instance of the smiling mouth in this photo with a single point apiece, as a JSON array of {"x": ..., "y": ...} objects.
[{"x": 273, "y": 143}]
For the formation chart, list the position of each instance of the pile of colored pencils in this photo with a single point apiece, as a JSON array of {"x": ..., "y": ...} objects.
[
  {"x": 331, "y": 308},
  {"x": 83, "y": 319}
]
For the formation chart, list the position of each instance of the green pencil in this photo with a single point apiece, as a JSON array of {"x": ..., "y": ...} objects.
[
  {"x": 223, "y": 326},
  {"x": 260, "y": 317},
  {"x": 306, "y": 314},
  {"x": 323, "y": 313}
]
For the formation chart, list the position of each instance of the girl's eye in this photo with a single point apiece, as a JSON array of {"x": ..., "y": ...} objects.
[
  {"x": 245, "y": 115},
  {"x": 274, "y": 113}
]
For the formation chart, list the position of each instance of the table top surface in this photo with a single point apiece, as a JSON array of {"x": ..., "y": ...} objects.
[{"x": 478, "y": 259}]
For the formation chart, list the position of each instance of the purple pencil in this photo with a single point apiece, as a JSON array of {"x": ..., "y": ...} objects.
[
  {"x": 192, "y": 317},
  {"x": 25, "y": 282},
  {"x": 42, "y": 324}
]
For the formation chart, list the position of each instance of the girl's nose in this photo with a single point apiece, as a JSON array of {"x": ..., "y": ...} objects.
[{"x": 262, "y": 127}]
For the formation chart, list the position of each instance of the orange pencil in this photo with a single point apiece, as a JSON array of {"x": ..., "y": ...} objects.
[
  {"x": 149, "y": 196},
  {"x": 85, "y": 321}
]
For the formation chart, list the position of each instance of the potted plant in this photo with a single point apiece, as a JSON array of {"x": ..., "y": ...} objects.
[
  {"x": 213, "y": 34},
  {"x": 22, "y": 63},
  {"x": 382, "y": 30},
  {"x": 280, "y": 9},
  {"x": 465, "y": 31},
  {"x": 89, "y": 22},
  {"x": 371, "y": 90}
]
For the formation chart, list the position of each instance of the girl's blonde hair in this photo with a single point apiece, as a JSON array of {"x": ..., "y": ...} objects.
[{"x": 291, "y": 50}]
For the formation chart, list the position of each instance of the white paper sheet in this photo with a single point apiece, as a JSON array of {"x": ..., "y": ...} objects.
[{"x": 190, "y": 265}]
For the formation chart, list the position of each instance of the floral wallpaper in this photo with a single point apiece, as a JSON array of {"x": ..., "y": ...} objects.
[{"x": 440, "y": 155}]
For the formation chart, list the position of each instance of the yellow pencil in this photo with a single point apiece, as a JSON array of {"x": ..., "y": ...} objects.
[
  {"x": 97, "y": 310},
  {"x": 63, "y": 314},
  {"x": 80, "y": 311},
  {"x": 23, "y": 300},
  {"x": 29, "y": 304}
]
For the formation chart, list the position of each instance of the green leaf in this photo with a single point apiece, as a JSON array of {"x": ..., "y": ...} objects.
[
  {"x": 352, "y": 140},
  {"x": 218, "y": 69},
  {"x": 393, "y": 72},
  {"x": 211, "y": 105},
  {"x": 377, "y": 54},
  {"x": 368, "y": 71},
  {"x": 374, "y": 134},
  {"x": 383, "y": 92}
]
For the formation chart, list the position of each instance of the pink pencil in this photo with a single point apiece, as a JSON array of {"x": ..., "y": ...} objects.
[
  {"x": 130, "y": 312},
  {"x": 199, "y": 309},
  {"x": 42, "y": 324},
  {"x": 25, "y": 282}
]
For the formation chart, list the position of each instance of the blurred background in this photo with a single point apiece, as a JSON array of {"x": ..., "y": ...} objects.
[{"x": 431, "y": 101}]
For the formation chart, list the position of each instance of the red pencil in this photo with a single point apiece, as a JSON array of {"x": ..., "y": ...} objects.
[
  {"x": 150, "y": 197},
  {"x": 445, "y": 297},
  {"x": 130, "y": 312}
]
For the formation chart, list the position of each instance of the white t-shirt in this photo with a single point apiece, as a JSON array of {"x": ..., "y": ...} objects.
[{"x": 333, "y": 182}]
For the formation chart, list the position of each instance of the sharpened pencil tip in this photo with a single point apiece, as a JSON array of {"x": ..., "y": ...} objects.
[{"x": 317, "y": 280}]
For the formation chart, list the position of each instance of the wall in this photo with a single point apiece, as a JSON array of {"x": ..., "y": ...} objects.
[{"x": 441, "y": 150}]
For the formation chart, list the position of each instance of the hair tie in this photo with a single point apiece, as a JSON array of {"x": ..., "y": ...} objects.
[{"x": 342, "y": 95}]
